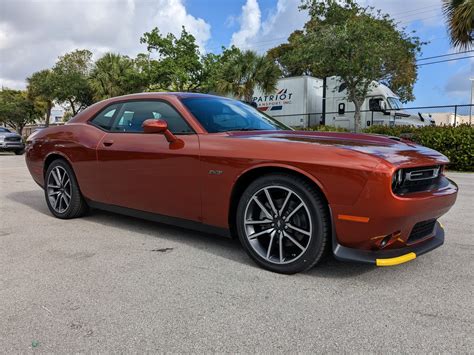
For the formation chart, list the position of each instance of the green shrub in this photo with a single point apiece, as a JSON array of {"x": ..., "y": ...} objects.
[
  {"x": 457, "y": 143},
  {"x": 394, "y": 131},
  {"x": 326, "y": 129}
]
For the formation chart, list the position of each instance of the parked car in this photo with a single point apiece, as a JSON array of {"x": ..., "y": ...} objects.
[
  {"x": 220, "y": 165},
  {"x": 11, "y": 141}
]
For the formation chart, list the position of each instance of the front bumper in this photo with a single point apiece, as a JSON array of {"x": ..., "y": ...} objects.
[
  {"x": 379, "y": 213},
  {"x": 389, "y": 257},
  {"x": 5, "y": 145}
]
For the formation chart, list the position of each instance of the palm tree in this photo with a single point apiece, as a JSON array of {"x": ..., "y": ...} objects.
[
  {"x": 246, "y": 70},
  {"x": 460, "y": 19},
  {"x": 115, "y": 75}
]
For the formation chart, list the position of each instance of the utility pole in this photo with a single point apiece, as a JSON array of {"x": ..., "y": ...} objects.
[
  {"x": 471, "y": 103},
  {"x": 323, "y": 117}
]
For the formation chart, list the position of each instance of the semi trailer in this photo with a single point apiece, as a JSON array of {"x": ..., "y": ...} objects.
[{"x": 304, "y": 101}]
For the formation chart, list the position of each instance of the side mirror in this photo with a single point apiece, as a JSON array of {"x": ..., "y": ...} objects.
[
  {"x": 382, "y": 105},
  {"x": 155, "y": 126},
  {"x": 159, "y": 126},
  {"x": 341, "y": 108}
]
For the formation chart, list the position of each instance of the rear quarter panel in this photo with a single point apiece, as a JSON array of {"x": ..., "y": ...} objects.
[{"x": 77, "y": 144}]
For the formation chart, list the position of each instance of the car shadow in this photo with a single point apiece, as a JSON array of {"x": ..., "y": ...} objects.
[
  {"x": 33, "y": 199},
  {"x": 209, "y": 243}
]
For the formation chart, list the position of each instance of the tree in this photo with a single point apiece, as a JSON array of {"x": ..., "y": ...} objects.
[
  {"x": 17, "y": 109},
  {"x": 41, "y": 88},
  {"x": 115, "y": 75},
  {"x": 286, "y": 55},
  {"x": 357, "y": 44},
  {"x": 70, "y": 77},
  {"x": 179, "y": 66},
  {"x": 460, "y": 20},
  {"x": 242, "y": 72},
  {"x": 212, "y": 69}
]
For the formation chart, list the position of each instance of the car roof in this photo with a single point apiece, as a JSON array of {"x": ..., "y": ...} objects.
[
  {"x": 161, "y": 94},
  {"x": 93, "y": 109}
]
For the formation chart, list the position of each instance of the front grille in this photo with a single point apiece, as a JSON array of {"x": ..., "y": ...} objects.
[
  {"x": 418, "y": 179},
  {"x": 421, "y": 230},
  {"x": 12, "y": 139}
]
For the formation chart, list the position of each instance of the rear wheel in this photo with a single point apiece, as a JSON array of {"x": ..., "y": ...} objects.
[
  {"x": 283, "y": 224},
  {"x": 62, "y": 193}
]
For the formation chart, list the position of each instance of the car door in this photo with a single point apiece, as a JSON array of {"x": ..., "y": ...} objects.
[
  {"x": 377, "y": 116},
  {"x": 144, "y": 171}
]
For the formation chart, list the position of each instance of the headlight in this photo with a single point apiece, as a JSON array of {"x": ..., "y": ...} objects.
[
  {"x": 2, "y": 138},
  {"x": 397, "y": 178}
]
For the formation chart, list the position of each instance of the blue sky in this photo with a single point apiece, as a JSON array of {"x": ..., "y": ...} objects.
[
  {"x": 438, "y": 84},
  {"x": 34, "y": 33}
]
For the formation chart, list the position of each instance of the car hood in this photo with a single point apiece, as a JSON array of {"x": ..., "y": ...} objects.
[{"x": 396, "y": 151}]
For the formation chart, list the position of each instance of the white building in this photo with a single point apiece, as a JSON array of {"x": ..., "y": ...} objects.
[{"x": 447, "y": 118}]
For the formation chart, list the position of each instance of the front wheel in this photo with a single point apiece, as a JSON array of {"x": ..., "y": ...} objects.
[
  {"x": 62, "y": 193},
  {"x": 19, "y": 151},
  {"x": 283, "y": 223}
]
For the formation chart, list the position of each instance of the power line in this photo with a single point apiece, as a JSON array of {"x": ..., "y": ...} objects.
[
  {"x": 446, "y": 60},
  {"x": 265, "y": 42},
  {"x": 444, "y": 55},
  {"x": 407, "y": 22},
  {"x": 437, "y": 38},
  {"x": 415, "y": 10},
  {"x": 416, "y": 13},
  {"x": 253, "y": 45}
]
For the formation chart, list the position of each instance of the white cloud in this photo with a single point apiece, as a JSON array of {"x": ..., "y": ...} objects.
[
  {"x": 249, "y": 24},
  {"x": 262, "y": 34},
  {"x": 34, "y": 33},
  {"x": 12, "y": 84},
  {"x": 459, "y": 85},
  {"x": 427, "y": 12},
  {"x": 274, "y": 29},
  {"x": 173, "y": 15}
]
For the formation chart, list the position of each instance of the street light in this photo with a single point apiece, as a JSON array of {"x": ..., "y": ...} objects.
[{"x": 470, "y": 107}]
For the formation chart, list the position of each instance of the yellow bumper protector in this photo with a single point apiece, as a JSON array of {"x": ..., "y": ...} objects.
[{"x": 395, "y": 261}]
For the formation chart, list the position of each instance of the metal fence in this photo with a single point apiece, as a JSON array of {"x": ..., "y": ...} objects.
[{"x": 442, "y": 114}]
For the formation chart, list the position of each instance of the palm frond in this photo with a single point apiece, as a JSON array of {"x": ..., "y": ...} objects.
[{"x": 460, "y": 20}]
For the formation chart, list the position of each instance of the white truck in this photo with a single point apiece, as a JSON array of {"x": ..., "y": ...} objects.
[{"x": 302, "y": 101}]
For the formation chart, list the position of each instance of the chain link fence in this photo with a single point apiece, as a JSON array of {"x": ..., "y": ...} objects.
[{"x": 441, "y": 114}]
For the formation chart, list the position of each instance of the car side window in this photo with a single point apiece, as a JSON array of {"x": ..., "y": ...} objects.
[
  {"x": 132, "y": 115},
  {"x": 106, "y": 117}
]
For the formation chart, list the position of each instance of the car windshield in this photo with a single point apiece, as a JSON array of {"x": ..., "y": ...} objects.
[
  {"x": 394, "y": 103},
  {"x": 218, "y": 114},
  {"x": 4, "y": 130}
]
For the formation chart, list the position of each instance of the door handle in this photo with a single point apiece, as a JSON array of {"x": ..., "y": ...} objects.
[{"x": 108, "y": 142}]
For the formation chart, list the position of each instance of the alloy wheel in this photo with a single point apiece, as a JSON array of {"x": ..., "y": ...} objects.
[
  {"x": 278, "y": 224},
  {"x": 59, "y": 189}
]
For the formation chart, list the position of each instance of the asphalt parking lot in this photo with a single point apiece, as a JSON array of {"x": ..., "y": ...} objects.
[{"x": 118, "y": 284}]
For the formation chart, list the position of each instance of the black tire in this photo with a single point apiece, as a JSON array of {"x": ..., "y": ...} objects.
[
  {"x": 77, "y": 206},
  {"x": 318, "y": 239},
  {"x": 19, "y": 152}
]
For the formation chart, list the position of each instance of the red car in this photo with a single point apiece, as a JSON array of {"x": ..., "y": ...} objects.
[{"x": 219, "y": 165}]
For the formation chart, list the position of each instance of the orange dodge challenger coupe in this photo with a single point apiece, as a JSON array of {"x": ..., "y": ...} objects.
[{"x": 215, "y": 164}]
